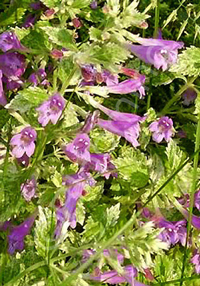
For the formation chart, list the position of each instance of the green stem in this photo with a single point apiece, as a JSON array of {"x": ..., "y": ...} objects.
[
  {"x": 148, "y": 100},
  {"x": 157, "y": 12},
  {"x": 192, "y": 192},
  {"x": 177, "y": 96}
]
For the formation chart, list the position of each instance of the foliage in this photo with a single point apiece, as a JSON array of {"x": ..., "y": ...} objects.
[{"x": 100, "y": 215}]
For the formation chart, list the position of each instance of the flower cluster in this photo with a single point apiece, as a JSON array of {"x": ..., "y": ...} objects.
[{"x": 134, "y": 83}]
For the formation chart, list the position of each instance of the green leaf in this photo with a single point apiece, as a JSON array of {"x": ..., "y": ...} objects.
[
  {"x": 175, "y": 155},
  {"x": 188, "y": 62},
  {"x": 95, "y": 34},
  {"x": 132, "y": 166},
  {"x": 19, "y": 103},
  {"x": 27, "y": 99},
  {"x": 4, "y": 115},
  {"x": 131, "y": 17},
  {"x": 45, "y": 226},
  {"x": 61, "y": 37},
  {"x": 163, "y": 78},
  {"x": 80, "y": 4},
  {"x": 113, "y": 215},
  {"x": 13, "y": 14},
  {"x": 142, "y": 243},
  {"x": 37, "y": 40},
  {"x": 114, "y": 6},
  {"x": 51, "y": 3},
  {"x": 70, "y": 116},
  {"x": 108, "y": 55},
  {"x": 103, "y": 141}
]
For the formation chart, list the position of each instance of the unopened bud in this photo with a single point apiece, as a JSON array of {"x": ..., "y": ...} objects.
[{"x": 76, "y": 23}]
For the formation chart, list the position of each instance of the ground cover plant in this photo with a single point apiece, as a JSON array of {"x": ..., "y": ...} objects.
[{"x": 99, "y": 142}]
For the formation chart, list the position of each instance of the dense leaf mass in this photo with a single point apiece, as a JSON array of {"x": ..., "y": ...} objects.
[{"x": 99, "y": 142}]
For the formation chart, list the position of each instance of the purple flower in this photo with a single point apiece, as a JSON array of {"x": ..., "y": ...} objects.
[
  {"x": 157, "y": 52},
  {"x": 162, "y": 129},
  {"x": 197, "y": 200},
  {"x": 67, "y": 213},
  {"x": 112, "y": 277},
  {"x": 9, "y": 41},
  {"x": 90, "y": 122},
  {"x": 3, "y": 100},
  {"x": 94, "y": 5},
  {"x": 129, "y": 130},
  {"x": 78, "y": 150},
  {"x": 128, "y": 86},
  {"x": 29, "y": 21},
  {"x": 28, "y": 189},
  {"x": 51, "y": 109},
  {"x": 173, "y": 232},
  {"x": 87, "y": 253},
  {"x": 18, "y": 233},
  {"x": 12, "y": 65},
  {"x": 109, "y": 78},
  {"x": 24, "y": 160},
  {"x": 189, "y": 96},
  {"x": 37, "y": 5},
  {"x": 114, "y": 253},
  {"x": 101, "y": 164},
  {"x": 185, "y": 200},
  {"x": 196, "y": 261},
  {"x": 23, "y": 142},
  {"x": 37, "y": 77},
  {"x": 88, "y": 73}
]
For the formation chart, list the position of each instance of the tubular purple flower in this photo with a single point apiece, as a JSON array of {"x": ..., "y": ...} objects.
[
  {"x": 174, "y": 231},
  {"x": 129, "y": 86},
  {"x": 9, "y": 41},
  {"x": 196, "y": 261},
  {"x": 109, "y": 78},
  {"x": 78, "y": 150},
  {"x": 101, "y": 163},
  {"x": 162, "y": 129},
  {"x": 158, "y": 52},
  {"x": 18, "y": 233},
  {"x": 67, "y": 213},
  {"x": 129, "y": 130},
  {"x": 28, "y": 189},
  {"x": 3, "y": 100},
  {"x": 12, "y": 64},
  {"x": 51, "y": 109},
  {"x": 90, "y": 122},
  {"x": 37, "y": 77},
  {"x": 112, "y": 277},
  {"x": 23, "y": 142}
]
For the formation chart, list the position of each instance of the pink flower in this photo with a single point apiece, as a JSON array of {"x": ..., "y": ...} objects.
[
  {"x": 23, "y": 142},
  {"x": 51, "y": 109},
  {"x": 162, "y": 129}
]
